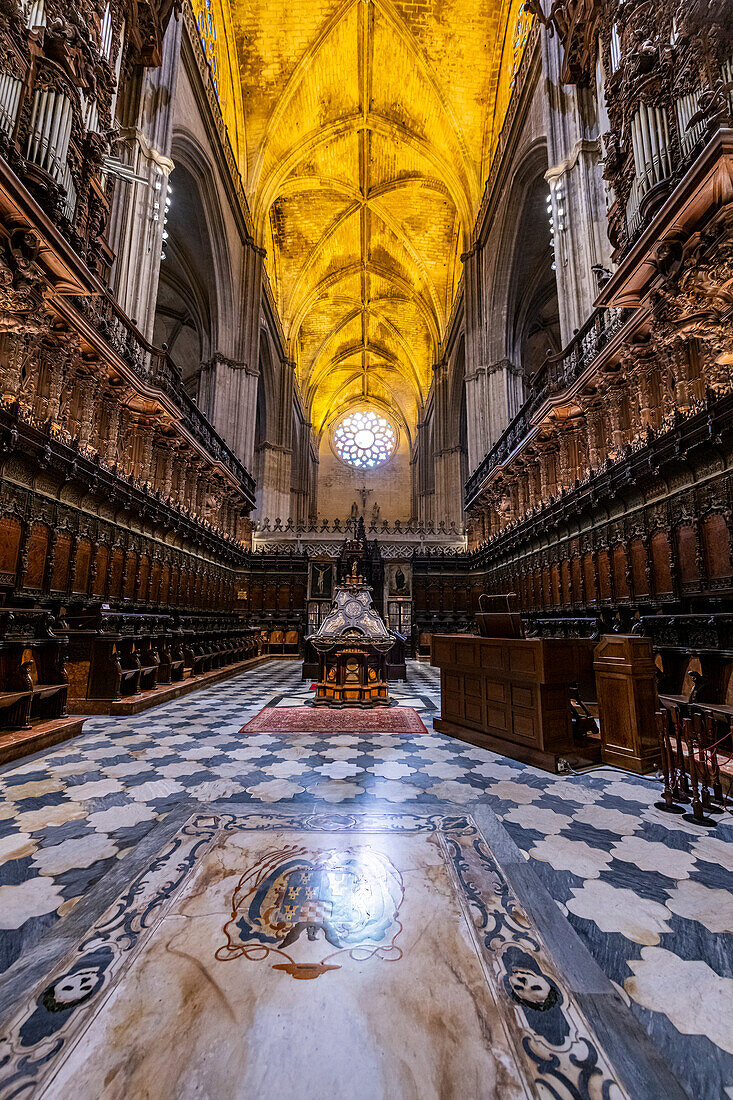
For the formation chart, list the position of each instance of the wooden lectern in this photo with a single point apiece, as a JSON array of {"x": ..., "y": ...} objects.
[
  {"x": 627, "y": 702},
  {"x": 511, "y": 695}
]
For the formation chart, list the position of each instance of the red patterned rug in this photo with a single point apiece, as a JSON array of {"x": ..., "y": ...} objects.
[{"x": 335, "y": 720}]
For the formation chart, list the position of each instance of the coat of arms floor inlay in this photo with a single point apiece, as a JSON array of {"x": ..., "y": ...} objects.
[{"x": 429, "y": 972}]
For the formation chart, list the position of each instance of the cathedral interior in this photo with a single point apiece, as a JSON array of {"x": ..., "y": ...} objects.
[{"x": 366, "y": 547}]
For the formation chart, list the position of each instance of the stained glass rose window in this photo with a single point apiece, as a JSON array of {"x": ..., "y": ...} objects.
[{"x": 364, "y": 439}]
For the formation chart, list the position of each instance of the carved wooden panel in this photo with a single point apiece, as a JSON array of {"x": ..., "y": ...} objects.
[
  {"x": 130, "y": 573},
  {"x": 165, "y": 583},
  {"x": 620, "y": 583},
  {"x": 589, "y": 574},
  {"x": 143, "y": 577},
  {"x": 37, "y": 553},
  {"x": 432, "y": 597},
  {"x": 536, "y": 588},
  {"x": 565, "y": 582},
  {"x": 283, "y": 597},
  {"x": 115, "y": 577},
  {"x": 687, "y": 557},
  {"x": 604, "y": 574},
  {"x": 638, "y": 568},
  {"x": 175, "y": 586},
  {"x": 661, "y": 564},
  {"x": 100, "y": 569},
  {"x": 155, "y": 577},
  {"x": 82, "y": 567},
  {"x": 716, "y": 541},
  {"x": 10, "y": 532},
  {"x": 577, "y": 579},
  {"x": 61, "y": 562}
]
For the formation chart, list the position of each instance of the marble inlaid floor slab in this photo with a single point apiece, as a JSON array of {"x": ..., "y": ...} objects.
[
  {"x": 311, "y": 954},
  {"x": 651, "y": 896}
]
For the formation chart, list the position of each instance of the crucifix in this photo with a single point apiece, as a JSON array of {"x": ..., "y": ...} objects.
[{"x": 364, "y": 493}]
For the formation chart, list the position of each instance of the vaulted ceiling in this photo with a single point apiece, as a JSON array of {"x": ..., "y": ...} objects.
[{"x": 368, "y": 128}]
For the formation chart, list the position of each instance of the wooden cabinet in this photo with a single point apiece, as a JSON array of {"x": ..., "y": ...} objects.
[{"x": 510, "y": 695}]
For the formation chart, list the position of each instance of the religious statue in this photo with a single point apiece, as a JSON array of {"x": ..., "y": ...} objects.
[
  {"x": 375, "y": 512},
  {"x": 354, "y": 512}
]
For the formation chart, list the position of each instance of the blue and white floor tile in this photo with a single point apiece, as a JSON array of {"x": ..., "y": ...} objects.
[{"x": 650, "y": 895}]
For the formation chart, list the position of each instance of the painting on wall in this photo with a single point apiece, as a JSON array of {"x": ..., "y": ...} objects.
[
  {"x": 321, "y": 580},
  {"x": 399, "y": 578}
]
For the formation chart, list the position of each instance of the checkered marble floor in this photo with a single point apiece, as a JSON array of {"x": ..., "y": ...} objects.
[{"x": 651, "y": 895}]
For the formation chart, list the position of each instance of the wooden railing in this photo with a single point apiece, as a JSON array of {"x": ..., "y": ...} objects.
[
  {"x": 154, "y": 367},
  {"x": 557, "y": 373}
]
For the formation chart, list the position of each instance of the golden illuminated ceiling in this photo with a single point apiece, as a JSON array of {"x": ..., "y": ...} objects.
[{"x": 368, "y": 128}]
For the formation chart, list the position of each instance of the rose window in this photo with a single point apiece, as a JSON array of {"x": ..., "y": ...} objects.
[{"x": 364, "y": 439}]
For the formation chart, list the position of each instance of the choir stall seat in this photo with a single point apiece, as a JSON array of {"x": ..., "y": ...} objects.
[
  {"x": 33, "y": 683},
  {"x": 49, "y": 683},
  {"x": 129, "y": 667},
  {"x": 33, "y": 679}
]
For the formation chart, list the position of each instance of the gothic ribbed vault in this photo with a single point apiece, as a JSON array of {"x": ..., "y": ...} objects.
[{"x": 369, "y": 128}]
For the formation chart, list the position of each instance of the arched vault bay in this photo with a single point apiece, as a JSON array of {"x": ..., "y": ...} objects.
[{"x": 370, "y": 124}]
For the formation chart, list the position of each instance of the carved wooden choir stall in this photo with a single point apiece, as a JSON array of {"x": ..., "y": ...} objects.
[
  {"x": 122, "y": 661},
  {"x": 352, "y": 643},
  {"x": 33, "y": 683}
]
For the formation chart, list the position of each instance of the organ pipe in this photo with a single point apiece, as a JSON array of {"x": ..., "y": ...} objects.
[
  {"x": 10, "y": 88},
  {"x": 50, "y": 131}
]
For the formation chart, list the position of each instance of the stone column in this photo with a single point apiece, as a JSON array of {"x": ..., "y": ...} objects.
[
  {"x": 274, "y": 491},
  {"x": 505, "y": 394},
  {"x": 447, "y": 476},
  {"x": 477, "y": 401},
  {"x": 253, "y": 277}
]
